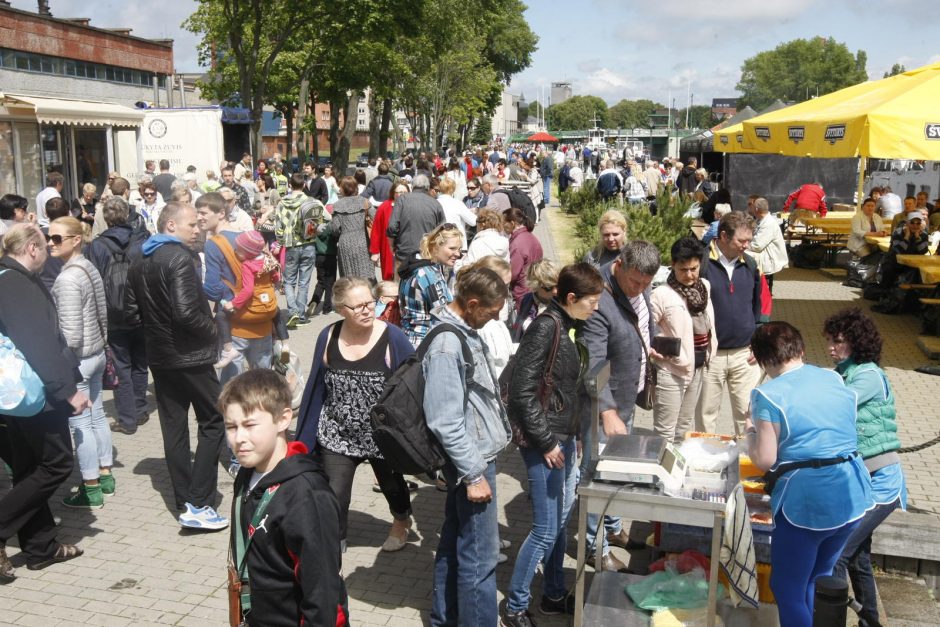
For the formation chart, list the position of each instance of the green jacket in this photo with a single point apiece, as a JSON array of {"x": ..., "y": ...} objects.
[{"x": 877, "y": 422}]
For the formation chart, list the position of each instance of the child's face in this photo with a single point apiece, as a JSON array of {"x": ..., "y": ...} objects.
[{"x": 253, "y": 437}]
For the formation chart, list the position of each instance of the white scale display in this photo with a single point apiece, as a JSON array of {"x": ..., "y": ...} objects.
[{"x": 647, "y": 460}]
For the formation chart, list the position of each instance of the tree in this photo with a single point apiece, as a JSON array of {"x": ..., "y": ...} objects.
[
  {"x": 249, "y": 35},
  {"x": 797, "y": 70},
  {"x": 482, "y": 130},
  {"x": 896, "y": 69},
  {"x": 632, "y": 113},
  {"x": 578, "y": 112}
]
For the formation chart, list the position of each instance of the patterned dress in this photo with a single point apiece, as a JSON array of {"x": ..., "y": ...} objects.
[{"x": 352, "y": 249}]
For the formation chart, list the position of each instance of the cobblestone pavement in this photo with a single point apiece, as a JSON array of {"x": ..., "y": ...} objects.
[{"x": 140, "y": 568}]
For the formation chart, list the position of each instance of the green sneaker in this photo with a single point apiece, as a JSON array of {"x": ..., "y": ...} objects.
[
  {"x": 107, "y": 484},
  {"x": 87, "y": 497},
  {"x": 292, "y": 322}
]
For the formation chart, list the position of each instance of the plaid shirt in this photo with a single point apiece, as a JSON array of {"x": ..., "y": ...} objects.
[{"x": 419, "y": 295}]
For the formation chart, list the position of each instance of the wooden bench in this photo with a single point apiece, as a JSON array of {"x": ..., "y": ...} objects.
[{"x": 907, "y": 542}]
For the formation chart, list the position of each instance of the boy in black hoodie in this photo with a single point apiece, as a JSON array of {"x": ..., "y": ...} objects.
[{"x": 293, "y": 552}]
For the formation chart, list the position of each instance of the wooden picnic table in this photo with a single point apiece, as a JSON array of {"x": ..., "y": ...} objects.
[
  {"x": 883, "y": 242},
  {"x": 919, "y": 261},
  {"x": 930, "y": 274},
  {"x": 835, "y": 226}
]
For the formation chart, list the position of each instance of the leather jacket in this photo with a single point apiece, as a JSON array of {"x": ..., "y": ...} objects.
[
  {"x": 165, "y": 294},
  {"x": 545, "y": 428}
]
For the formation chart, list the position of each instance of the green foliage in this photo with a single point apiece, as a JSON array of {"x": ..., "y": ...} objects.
[
  {"x": 577, "y": 113},
  {"x": 482, "y": 130},
  {"x": 896, "y": 69},
  {"x": 632, "y": 113},
  {"x": 795, "y": 70},
  {"x": 668, "y": 225}
]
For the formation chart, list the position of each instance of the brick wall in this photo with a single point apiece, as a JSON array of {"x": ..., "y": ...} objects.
[{"x": 20, "y": 30}]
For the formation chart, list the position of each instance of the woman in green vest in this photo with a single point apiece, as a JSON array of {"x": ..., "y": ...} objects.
[{"x": 855, "y": 347}]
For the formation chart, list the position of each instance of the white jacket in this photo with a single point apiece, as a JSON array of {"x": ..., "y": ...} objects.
[
  {"x": 83, "y": 312},
  {"x": 861, "y": 227},
  {"x": 487, "y": 242},
  {"x": 769, "y": 245}
]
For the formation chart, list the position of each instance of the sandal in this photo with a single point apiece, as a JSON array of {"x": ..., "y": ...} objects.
[{"x": 63, "y": 553}]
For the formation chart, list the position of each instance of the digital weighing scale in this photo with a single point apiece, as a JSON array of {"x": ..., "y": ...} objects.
[{"x": 647, "y": 460}]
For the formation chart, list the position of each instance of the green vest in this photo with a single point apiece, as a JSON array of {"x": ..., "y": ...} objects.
[
  {"x": 280, "y": 181},
  {"x": 876, "y": 425}
]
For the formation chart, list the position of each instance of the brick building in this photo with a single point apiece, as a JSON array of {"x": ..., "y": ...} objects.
[{"x": 67, "y": 98}]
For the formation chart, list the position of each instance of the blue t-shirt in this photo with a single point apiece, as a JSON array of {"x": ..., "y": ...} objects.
[{"x": 816, "y": 415}]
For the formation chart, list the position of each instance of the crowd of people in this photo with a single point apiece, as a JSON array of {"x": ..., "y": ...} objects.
[{"x": 429, "y": 258}]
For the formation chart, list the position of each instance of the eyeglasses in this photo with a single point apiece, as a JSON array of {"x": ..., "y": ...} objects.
[
  {"x": 57, "y": 239},
  {"x": 360, "y": 308},
  {"x": 149, "y": 194}
]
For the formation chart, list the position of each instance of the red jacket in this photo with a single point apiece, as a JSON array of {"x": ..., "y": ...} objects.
[
  {"x": 379, "y": 244},
  {"x": 809, "y": 196}
]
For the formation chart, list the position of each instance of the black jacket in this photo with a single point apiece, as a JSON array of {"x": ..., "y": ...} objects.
[
  {"x": 544, "y": 429},
  {"x": 686, "y": 182},
  {"x": 294, "y": 557},
  {"x": 102, "y": 250},
  {"x": 28, "y": 317},
  {"x": 316, "y": 188},
  {"x": 165, "y": 294}
]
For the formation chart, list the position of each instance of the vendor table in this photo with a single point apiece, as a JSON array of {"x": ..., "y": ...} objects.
[{"x": 639, "y": 503}]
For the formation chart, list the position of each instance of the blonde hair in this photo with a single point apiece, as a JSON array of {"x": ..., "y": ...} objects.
[
  {"x": 15, "y": 240},
  {"x": 73, "y": 227},
  {"x": 489, "y": 219},
  {"x": 436, "y": 238},
  {"x": 612, "y": 216},
  {"x": 343, "y": 286},
  {"x": 89, "y": 187},
  {"x": 385, "y": 288},
  {"x": 543, "y": 273},
  {"x": 492, "y": 262},
  {"x": 447, "y": 186}
]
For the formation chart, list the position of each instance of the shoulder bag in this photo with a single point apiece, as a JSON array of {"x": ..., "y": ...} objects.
[
  {"x": 22, "y": 392},
  {"x": 239, "y": 592},
  {"x": 109, "y": 378}
]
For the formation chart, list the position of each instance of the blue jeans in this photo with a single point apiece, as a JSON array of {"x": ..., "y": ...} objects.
[
  {"x": 90, "y": 429},
  {"x": 547, "y": 191},
  {"x": 552, "y": 491},
  {"x": 612, "y": 524},
  {"x": 465, "y": 563},
  {"x": 253, "y": 353},
  {"x": 298, "y": 268},
  {"x": 798, "y": 556},
  {"x": 856, "y": 560}
]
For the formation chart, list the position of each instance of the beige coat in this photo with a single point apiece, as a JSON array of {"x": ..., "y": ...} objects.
[
  {"x": 860, "y": 228},
  {"x": 768, "y": 246},
  {"x": 672, "y": 319}
]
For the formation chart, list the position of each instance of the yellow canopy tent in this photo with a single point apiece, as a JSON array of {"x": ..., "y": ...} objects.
[
  {"x": 731, "y": 139},
  {"x": 891, "y": 118}
]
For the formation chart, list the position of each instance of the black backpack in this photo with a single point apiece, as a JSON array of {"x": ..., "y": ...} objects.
[
  {"x": 399, "y": 427},
  {"x": 808, "y": 255},
  {"x": 520, "y": 200},
  {"x": 115, "y": 283}
]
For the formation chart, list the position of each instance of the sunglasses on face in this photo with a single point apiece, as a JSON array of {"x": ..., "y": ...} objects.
[
  {"x": 57, "y": 239},
  {"x": 149, "y": 194},
  {"x": 472, "y": 187}
]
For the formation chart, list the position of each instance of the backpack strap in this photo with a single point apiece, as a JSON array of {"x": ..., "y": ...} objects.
[
  {"x": 229, "y": 253},
  {"x": 446, "y": 327}
]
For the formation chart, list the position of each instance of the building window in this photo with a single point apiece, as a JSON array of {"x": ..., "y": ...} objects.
[{"x": 29, "y": 62}]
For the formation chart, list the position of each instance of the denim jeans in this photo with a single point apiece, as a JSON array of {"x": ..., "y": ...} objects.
[
  {"x": 547, "y": 190},
  {"x": 552, "y": 491},
  {"x": 253, "y": 353},
  {"x": 298, "y": 268},
  {"x": 90, "y": 429},
  {"x": 798, "y": 556},
  {"x": 130, "y": 361},
  {"x": 856, "y": 560},
  {"x": 465, "y": 563},
  {"x": 612, "y": 524}
]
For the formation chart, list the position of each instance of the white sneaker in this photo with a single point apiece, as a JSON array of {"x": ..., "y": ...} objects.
[
  {"x": 202, "y": 518},
  {"x": 504, "y": 544}
]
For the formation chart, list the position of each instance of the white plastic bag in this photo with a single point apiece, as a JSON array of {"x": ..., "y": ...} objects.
[{"x": 708, "y": 454}]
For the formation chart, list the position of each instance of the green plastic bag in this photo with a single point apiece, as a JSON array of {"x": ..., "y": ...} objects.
[{"x": 668, "y": 589}]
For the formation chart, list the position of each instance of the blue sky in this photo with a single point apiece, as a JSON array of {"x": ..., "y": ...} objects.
[{"x": 617, "y": 49}]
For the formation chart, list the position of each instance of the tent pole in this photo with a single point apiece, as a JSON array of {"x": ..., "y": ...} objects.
[{"x": 860, "y": 190}]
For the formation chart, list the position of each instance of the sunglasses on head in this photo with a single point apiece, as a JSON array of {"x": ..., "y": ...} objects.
[{"x": 57, "y": 239}]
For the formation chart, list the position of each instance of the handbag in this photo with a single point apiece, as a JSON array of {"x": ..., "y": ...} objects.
[
  {"x": 22, "y": 392},
  {"x": 646, "y": 397},
  {"x": 239, "y": 591},
  {"x": 546, "y": 383},
  {"x": 109, "y": 378}
]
